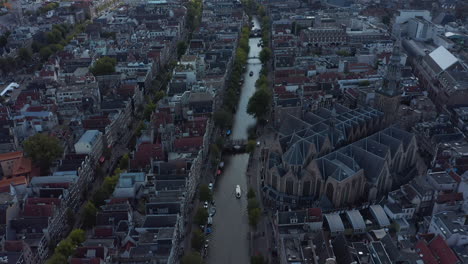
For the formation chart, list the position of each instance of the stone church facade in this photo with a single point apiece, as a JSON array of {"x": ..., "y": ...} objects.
[{"x": 339, "y": 156}]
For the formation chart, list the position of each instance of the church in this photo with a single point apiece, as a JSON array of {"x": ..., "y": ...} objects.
[{"x": 340, "y": 156}]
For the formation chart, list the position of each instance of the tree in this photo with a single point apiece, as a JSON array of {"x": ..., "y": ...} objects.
[
  {"x": 252, "y": 203},
  {"x": 89, "y": 215},
  {"x": 265, "y": 55},
  {"x": 258, "y": 259},
  {"x": 201, "y": 216},
  {"x": 342, "y": 53},
  {"x": 250, "y": 193},
  {"x": 57, "y": 259},
  {"x": 99, "y": 197},
  {"x": 250, "y": 146},
  {"x": 3, "y": 41},
  {"x": 198, "y": 239},
  {"x": 124, "y": 162},
  {"x": 65, "y": 247},
  {"x": 70, "y": 217},
  {"x": 192, "y": 258},
  {"x": 259, "y": 104},
  {"x": 149, "y": 109},
  {"x": 45, "y": 52},
  {"x": 43, "y": 150},
  {"x": 219, "y": 142},
  {"x": 262, "y": 81},
  {"x": 386, "y": 20},
  {"x": 214, "y": 154},
  {"x": 77, "y": 236},
  {"x": 364, "y": 83},
  {"x": 222, "y": 118},
  {"x": 181, "y": 48},
  {"x": 25, "y": 54},
  {"x": 159, "y": 95},
  {"x": 205, "y": 193},
  {"x": 104, "y": 66},
  {"x": 254, "y": 216}
]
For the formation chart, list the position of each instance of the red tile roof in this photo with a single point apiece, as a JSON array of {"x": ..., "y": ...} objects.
[
  {"x": 455, "y": 176},
  {"x": 423, "y": 250},
  {"x": 449, "y": 197},
  {"x": 13, "y": 245},
  {"x": 189, "y": 143},
  {"x": 99, "y": 252},
  {"x": 23, "y": 166},
  {"x": 103, "y": 232},
  {"x": 11, "y": 155},
  {"x": 5, "y": 183},
  {"x": 34, "y": 210},
  {"x": 162, "y": 118},
  {"x": 436, "y": 251},
  {"x": 145, "y": 152},
  {"x": 442, "y": 251},
  {"x": 39, "y": 200},
  {"x": 314, "y": 214},
  {"x": 127, "y": 89}
]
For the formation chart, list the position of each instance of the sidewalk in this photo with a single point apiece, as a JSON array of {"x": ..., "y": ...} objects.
[{"x": 262, "y": 238}]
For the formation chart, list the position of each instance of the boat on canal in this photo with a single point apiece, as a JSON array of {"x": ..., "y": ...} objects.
[{"x": 238, "y": 192}]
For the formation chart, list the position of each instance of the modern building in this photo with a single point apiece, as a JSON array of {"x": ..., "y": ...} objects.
[{"x": 90, "y": 143}]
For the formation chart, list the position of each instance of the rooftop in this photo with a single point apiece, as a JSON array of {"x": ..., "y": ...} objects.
[{"x": 443, "y": 57}]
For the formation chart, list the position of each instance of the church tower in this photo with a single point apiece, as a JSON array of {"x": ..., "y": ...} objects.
[{"x": 388, "y": 96}]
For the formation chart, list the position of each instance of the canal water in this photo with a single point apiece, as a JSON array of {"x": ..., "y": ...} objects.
[{"x": 229, "y": 242}]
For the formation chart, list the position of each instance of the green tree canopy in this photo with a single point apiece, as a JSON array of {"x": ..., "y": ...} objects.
[
  {"x": 250, "y": 193},
  {"x": 43, "y": 150},
  {"x": 192, "y": 258},
  {"x": 149, "y": 109},
  {"x": 265, "y": 55},
  {"x": 159, "y": 95},
  {"x": 262, "y": 82},
  {"x": 3, "y": 41},
  {"x": 205, "y": 193},
  {"x": 89, "y": 215},
  {"x": 25, "y": 54},
  {"x": 257, "y": 260},
  {"x": 181, "y": 48},
  {"x": 201, "y": 216},
  {"x": 65, "y": 247},
  {"x": 222, "y": 118},
  {"x": 57, "y": 259},
  {"x": 77, "y": 236},
  {"x": 124, "y": 162},
  {"x": 251, "y": 146},
  {"x": 252, "y": 203},
  {"x": 386, "y": 20},
  {"x": 259, "y": 104},
  {"x": 254, "y": 216},
  {"x": 198, "y": 239},
  {"x": 45, "y": 52},
  {"x": 104, "y": 66}
]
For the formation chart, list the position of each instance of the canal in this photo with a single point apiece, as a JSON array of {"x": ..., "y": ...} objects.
[{"x": 229, "y": 242}]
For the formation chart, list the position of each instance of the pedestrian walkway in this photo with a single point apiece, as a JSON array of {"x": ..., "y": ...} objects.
[{"x": 262, "y": 237}]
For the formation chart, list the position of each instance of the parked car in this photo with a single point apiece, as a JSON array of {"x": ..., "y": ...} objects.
[
  {"x": 210, "y": 186},
  {"x": 205, "y": 204}
]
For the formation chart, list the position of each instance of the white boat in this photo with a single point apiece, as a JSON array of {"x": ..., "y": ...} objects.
[{"x": 238, "y": 191}]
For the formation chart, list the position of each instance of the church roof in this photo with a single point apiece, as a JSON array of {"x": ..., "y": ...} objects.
[{"x": 297, "y": 153}]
